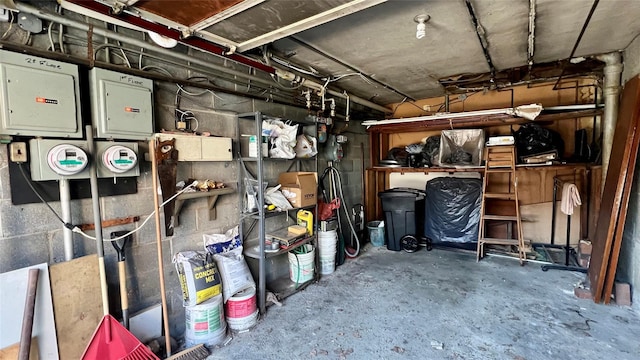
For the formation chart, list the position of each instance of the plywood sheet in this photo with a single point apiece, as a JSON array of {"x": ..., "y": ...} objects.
[
  {"x": 77, "y": 303},
  {"x": 625, "y": 142},
  {"x": 624, "y": 204},
  {"x": 13, "y": 292}
]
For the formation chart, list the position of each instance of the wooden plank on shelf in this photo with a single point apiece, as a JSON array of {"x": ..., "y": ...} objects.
[
  {"x": 625, "y": 141},
  {"x": 479, "y": 121},
  {"x": 77, "y": 304}
]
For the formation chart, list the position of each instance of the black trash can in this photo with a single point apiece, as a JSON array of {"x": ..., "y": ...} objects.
[{"x": 403, "y": 211}]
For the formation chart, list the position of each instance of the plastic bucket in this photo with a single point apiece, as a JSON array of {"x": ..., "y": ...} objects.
[
  {"x": 205, "y": 323},
  {"x": 241, "y": 305},
  {"x": 301, "y": 266},
  {"x": 327, "y": 248},
  {"x": 243, "y": 323},
  {"x": 376, "y": 232}
]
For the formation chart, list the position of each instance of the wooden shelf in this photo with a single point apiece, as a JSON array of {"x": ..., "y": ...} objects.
[
  {"x": 479, "y": 169},
  {"x": 479, "y": 121},
  {"x": 212, "y": 198}
]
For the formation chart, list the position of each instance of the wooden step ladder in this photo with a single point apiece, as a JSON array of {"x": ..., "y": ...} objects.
[{"x": 500, "y": 160}]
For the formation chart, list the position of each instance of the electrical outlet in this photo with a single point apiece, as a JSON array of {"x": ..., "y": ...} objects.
[
  {"x": 18, "y": 152},
  {"x": 4, "y": 15}
]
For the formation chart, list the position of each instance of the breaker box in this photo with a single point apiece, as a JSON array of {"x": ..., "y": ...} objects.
[
  {"x": 56, "y": 159},
  {"x": 121, "y": 105},
  {"x": 117, "y": 159},
  {"x": 40, "y": 97}
]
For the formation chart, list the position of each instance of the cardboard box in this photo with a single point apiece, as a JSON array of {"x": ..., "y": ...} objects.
[{"x": 303, "y": 184}]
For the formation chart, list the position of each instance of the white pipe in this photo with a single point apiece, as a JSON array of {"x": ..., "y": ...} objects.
[
  {"x": 612, "y": 73},
  {"x": 43, "y": 14},
  {"x": 65, "y": 204}
]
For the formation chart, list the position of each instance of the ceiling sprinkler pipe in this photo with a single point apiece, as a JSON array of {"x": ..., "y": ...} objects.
[{"x": 612, "y": 72}]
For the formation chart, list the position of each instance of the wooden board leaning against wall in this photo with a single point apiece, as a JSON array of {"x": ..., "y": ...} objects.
[{"x": 536, "y": 183}]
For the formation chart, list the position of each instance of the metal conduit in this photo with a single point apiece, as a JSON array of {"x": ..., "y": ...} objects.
[{"x": 149, "y": 47}]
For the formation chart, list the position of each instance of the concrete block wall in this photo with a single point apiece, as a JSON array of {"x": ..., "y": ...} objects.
[
  {"x": 30, "y": 234},
  {"x": 629, "y": 263}
]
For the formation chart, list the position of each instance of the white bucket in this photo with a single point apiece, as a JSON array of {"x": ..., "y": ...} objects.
[
  {"x": 241, "y": 304},
  {"x": 327, "y": 243},
  {"x": 205, "y": 323},
  {"x": 327, "y": 265},
  {"x": 301, "y": 266},
  {"x": 243, "y": 323}
]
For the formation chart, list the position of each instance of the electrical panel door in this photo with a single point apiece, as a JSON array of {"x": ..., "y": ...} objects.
[
  {"x": 39, "y": 97},
  {"x": 122, "y": 105}
]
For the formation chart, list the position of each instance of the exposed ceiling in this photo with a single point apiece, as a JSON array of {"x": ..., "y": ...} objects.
[{"x": 377, "y": 38}]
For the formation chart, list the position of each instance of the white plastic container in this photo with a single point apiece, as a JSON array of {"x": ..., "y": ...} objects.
[
  {"x": 301, "y": 266},
  {"x": 205, "y": 323}
]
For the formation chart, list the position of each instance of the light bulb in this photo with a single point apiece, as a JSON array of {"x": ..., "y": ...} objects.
[{"x": 421, "y": 30}]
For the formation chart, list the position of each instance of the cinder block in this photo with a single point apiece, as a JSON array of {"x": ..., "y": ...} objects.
[
  {"x": 585, "y": 247},
  {"x": 20, "y": 220},
  {"x": 271, "y": 109},
  {"x": 21, "y": 251},
  {"x": 582, "y": 293},
  {"x": 622, "y": 294}
]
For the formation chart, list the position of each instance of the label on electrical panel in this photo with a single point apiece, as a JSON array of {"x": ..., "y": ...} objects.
[
  {"x": 131, "y": 110},
  {"x": 123, "y": 161},
  {"x": 42, "y": 100}
]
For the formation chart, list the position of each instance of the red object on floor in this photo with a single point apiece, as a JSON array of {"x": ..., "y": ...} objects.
[{"x": 111, "y": 341}]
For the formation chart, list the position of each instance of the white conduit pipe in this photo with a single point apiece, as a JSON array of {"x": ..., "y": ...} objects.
[
  {"x": 612, "y": 73},
  {"x": 43, "y": 14},
  {"x": 65, "y": 205}
]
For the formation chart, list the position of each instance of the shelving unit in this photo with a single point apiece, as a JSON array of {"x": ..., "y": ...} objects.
[{"x": 254, "y": 245}]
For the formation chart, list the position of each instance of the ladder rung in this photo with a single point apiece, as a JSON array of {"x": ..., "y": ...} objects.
[
  {"x": 500, "y": 241},
  {"x": 504, "y": 196},
  {"x": 501, "y": 217}
]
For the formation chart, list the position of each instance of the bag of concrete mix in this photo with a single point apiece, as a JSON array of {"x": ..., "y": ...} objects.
[
  {"x": 234, "y": 272},
  {"x": 198, "y": 275}
]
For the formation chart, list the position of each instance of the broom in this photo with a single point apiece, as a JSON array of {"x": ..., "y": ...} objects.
[{"x": 198, "y": 352}]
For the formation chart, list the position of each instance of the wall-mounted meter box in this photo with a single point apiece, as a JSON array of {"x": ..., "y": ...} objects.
[
  {"x": 117, "y": 159},
  {"x": 56, "y": 159},
  {"x": 39, "y": 97},
  {"x": 121, "y": 105}
]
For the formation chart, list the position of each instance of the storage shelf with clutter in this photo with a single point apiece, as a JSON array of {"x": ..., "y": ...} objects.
[{"x": 268, "y": 146}]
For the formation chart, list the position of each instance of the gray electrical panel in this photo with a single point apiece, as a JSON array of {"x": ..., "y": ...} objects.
[
  {"x": 39, "y": 97},
  {"x": 121, "y": 105},
  {"x": 42, "y": 152}
]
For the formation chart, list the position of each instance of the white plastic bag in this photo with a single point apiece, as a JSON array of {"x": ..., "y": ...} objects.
[
  {"x": 306, "y": 146},
  {"x": 234, "y": 272},
  {"x": 219, "y": 243},
  {"x": 275, "y": 197},
  {"x": 282, "y": 137}
]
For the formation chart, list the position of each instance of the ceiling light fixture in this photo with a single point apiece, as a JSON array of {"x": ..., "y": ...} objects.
[{"x": 421, "y": 28}]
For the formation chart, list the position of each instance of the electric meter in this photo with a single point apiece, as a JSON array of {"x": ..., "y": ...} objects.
[
  {"x": 67, "y": 159},
  {"x": 119, "y": 159}
]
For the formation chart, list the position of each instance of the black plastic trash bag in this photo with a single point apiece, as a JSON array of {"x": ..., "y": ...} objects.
[
  {"x": 533, "y": 139},
  {"x": 431, "y": 151},
  {"x": 452, "y": 210}
]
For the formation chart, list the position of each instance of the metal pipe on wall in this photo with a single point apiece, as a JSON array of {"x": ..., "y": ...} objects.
[
  {"x": 97, "y": 218},
  {"x": 65, "y": 204},
  {"x": 189, "y": 59},
  {"x": 611, "y": 92}
]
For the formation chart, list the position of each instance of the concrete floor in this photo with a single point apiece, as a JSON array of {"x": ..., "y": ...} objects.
[{"x": 440, "y": 305}]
